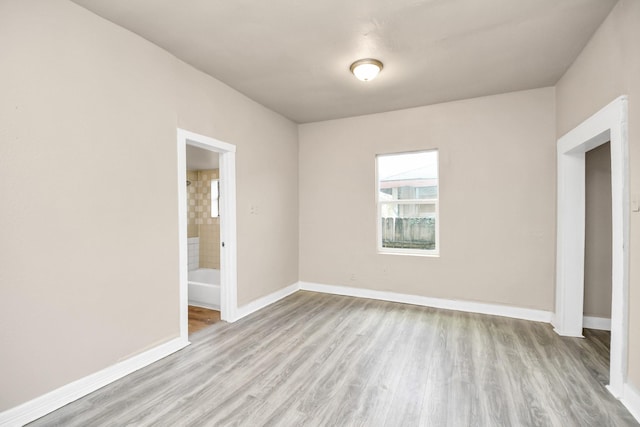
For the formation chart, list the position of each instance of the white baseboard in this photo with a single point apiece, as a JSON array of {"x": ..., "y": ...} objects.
[
  {"x": 204, "y": 305},
  {"x": 631, "y": 400},
  {"x": 40, "y": 406},
  {"x": 467, "y": 306},
  {"x": 266, "y": 300},
  {"x": 600, "y": 323}
]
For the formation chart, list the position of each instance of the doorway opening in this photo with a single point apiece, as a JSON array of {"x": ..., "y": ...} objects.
[
  {"x": 597, "y": 248},
  {"x": 203, "y": 237},
  {"x": 607, "y": 125},
  {"x": 219, "y": 247}
]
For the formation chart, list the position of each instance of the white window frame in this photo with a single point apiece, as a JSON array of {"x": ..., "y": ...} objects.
[{"x": 435, "y": 252}]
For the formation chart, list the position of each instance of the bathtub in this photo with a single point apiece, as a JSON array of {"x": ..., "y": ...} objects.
[{"x": 204, "y": 288}]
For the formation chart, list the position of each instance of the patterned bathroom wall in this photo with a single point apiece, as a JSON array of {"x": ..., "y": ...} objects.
[
  {"x": 192, "y": 227},
  {"x": 200, "y": 224}
]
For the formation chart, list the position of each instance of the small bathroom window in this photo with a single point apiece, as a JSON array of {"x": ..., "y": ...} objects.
[{"x": 215, "y": 198}]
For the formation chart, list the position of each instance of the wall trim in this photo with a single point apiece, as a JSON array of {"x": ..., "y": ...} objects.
[
  {"x": 195, "y": 303},
  {"x": 447, "y": 304},
  {"x": 266, "y": 300},
  {"x": 600, "y": 323},
  {"x": 228, "y": 227},
  {"x": 631, "y": 400},
  {"x": 49, "y": 402},
  {"x": 608, "y": 124}
]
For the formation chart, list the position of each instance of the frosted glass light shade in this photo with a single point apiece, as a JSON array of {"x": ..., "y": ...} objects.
[{"x": 366, "y": 69}]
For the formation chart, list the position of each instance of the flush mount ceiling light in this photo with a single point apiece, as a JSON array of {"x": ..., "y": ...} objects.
[{"x": 366, "y": 69}]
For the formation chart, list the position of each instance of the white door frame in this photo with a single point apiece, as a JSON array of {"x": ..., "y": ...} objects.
[
  {"x": 608, "y": 124},
  {"x": 228, "y": 252}
]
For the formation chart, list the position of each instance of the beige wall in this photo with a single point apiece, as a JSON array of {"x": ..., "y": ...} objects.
[
  {"x": 497, "y": 200},
  {"x": 208, "y": 228},
  {"x": 192, "y": 204},
  {"x": 597, "y": 253},
  {"x": 266, "y": 177},
  {"x": 94, "y": 108},
  {"x": 209, "y": 246},
  {"x": 199, "y": 221},
  {"x": 608, "y": 67}
]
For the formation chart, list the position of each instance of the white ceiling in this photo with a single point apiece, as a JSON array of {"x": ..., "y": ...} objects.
[
  {"x": 293, "y": 56},
  {"x": 201, "y": 159}
]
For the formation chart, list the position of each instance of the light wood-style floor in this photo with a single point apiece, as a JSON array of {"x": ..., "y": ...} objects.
[
  {"x": 323, "y": 360},
  {"x": 200, "y": 318}
]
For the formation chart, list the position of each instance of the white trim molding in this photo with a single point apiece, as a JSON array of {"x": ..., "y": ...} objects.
[
  {"x": 195, "y": 303},
  {"x": 228, "y": 228},
  {"x": 600, "y": 323},
  {"x": 447, "y": 304},
  {"x": 607, "y": 125},
  {"x": 266, "y": 300},
  {"x": 40, "y": 406},
  {"x": 631, "y": 399}
]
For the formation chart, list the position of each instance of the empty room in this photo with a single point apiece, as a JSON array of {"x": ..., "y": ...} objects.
[{"x": 335, "y": 213}]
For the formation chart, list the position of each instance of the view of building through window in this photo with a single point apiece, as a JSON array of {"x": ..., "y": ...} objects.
[{"x": 408, "y": 202}]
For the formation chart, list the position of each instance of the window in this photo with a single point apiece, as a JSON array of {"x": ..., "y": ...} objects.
[
  {"x": 407, "y": 199},
  {"x": 215, "y": 198}
]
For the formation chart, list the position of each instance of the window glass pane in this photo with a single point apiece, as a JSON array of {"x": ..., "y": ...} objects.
[
  {"x": 427, "y": 192},
  {"x": 409, "y": 176},
  {"x": 215, "y": 196},
  {"x": 408, "y": 226},
  {"x": 407, "y": 201}
]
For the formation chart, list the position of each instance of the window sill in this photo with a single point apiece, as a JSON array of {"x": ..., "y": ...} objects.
[{"x": 427, "y": 255}]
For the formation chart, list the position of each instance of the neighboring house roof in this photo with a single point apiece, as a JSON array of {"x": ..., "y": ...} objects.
[
  {"x": 419, "y": 173},
  {"x": 420, "y": 177}
]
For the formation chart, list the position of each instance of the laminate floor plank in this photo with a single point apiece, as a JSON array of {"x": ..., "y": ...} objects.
[
  {"x": 304, "y": 382},
  {"x": 493, "y": 403},
  {"x": 388, "y": 381},
  {"x": 326, "y": 360},
  {"x": 333, "y": 373},
  {"x": 278, "y": 392},
  {"x": 373, "y": 388},
  {"x": 253, "y": 365},
  {"x": 349, "y": 404},
  {"x": 406, "y": 405}
]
